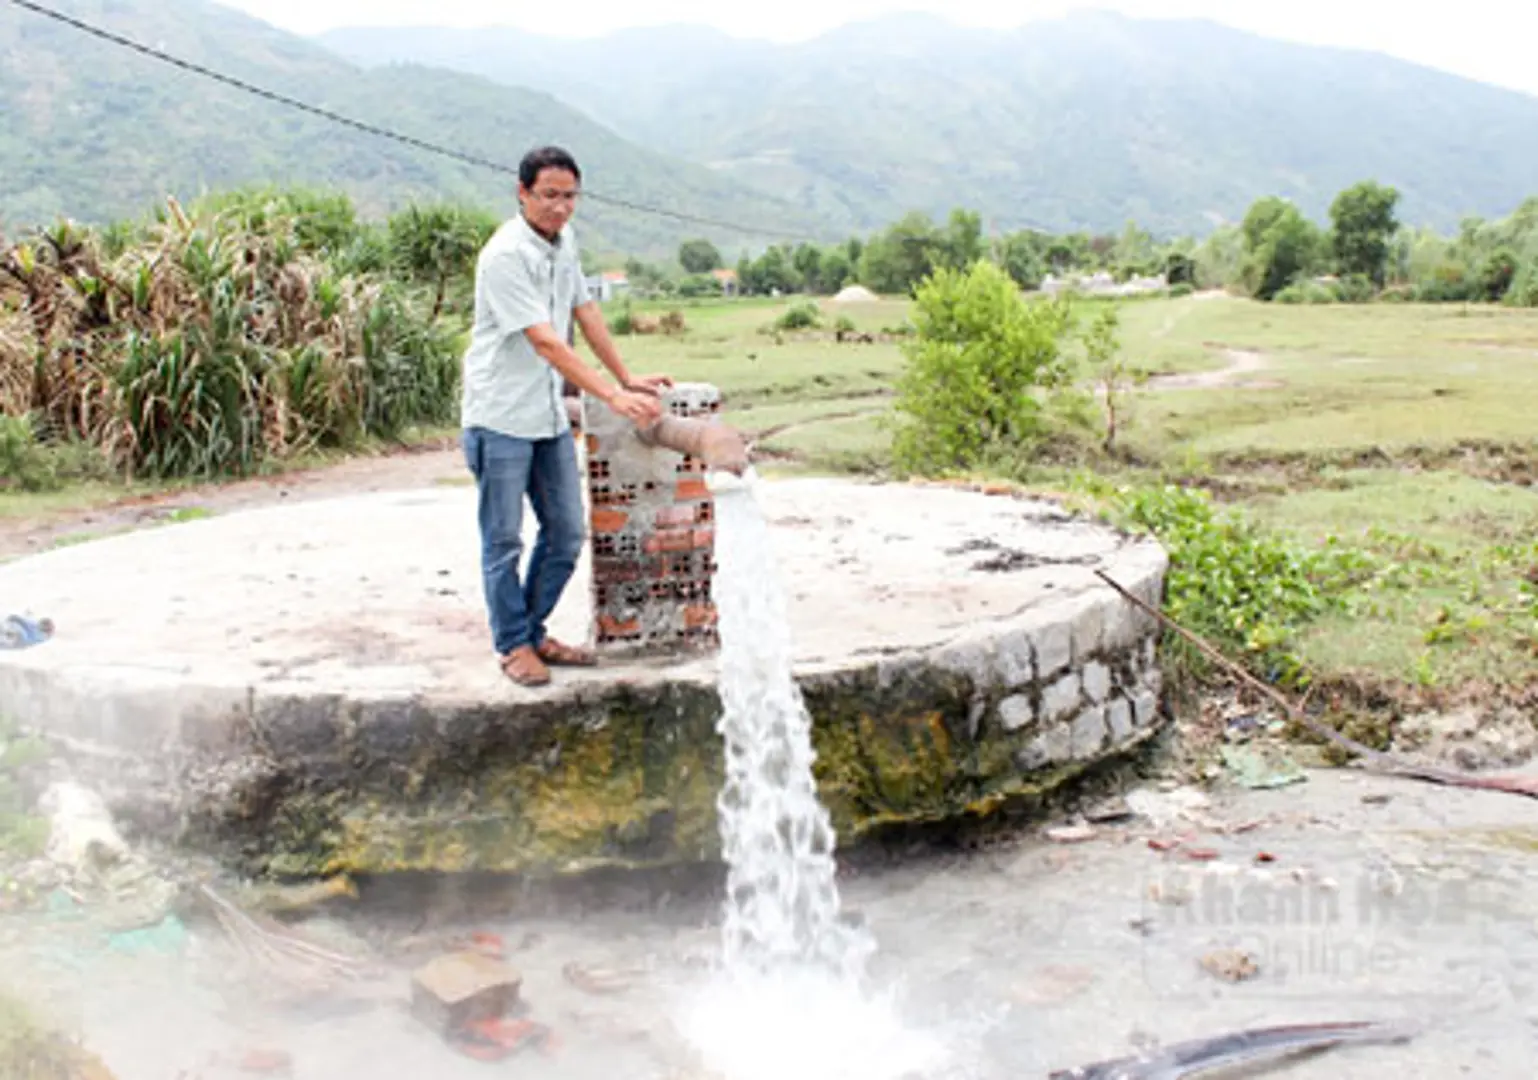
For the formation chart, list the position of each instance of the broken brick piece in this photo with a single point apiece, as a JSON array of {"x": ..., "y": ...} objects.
[
  {"x": 609, "y": 521},
  {"x": 493, "y": 1040},
  {"x": 459, "y": 989},
  {"x": 615, "y": 628},
  {"x": 691, "y": 489}
]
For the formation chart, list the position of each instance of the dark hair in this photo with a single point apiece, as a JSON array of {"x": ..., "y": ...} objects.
[{"x": 545, "y": 157}]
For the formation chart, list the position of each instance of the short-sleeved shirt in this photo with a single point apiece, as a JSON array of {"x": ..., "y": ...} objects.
[{"x": 521, "y": 280}]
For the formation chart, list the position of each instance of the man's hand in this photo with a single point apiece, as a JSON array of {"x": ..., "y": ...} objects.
[
  {"x": 639, "y": 409},
  {"x": 648, "y": 384}
]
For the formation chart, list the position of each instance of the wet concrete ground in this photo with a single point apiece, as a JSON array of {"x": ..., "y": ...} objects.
[{"x": 1382, "y": 898}]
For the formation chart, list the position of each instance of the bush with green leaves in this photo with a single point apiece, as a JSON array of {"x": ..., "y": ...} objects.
[
  {"x": 213, "y": 340},
  {"x": 802, "y": 315},
  {"x": 1524, "y": 287},
  {"x": 1355, "y": 289},
  {"x": 622, "y": 322},
  {"x": 24, "y": 464},
  {"x": 1241, "y": 588},
  {"x": 29, "y": 463},
  {"x": 1308, "y": 292},
  {"x": 978, "y": 365}
]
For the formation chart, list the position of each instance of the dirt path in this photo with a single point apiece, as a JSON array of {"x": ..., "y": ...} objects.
[
  {"x": 1240, "y": 362},
  {"x": 784, "y": 429},
  {"x": 404, "y": 469}
]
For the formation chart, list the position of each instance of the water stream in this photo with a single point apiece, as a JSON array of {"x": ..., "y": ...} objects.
[{"x": 791, "y": 961}]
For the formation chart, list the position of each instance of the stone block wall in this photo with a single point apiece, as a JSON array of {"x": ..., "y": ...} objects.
[
  {"x": 1069, "y": 683},
  {"x": 652, "y": 531}
]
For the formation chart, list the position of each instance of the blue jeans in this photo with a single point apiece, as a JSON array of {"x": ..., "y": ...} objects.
[{"x": 506, "y": 470}]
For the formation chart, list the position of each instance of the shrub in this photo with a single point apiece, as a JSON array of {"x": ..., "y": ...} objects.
[
  {"x": 1355, "y": 289},
  {"x": 1234, "y": 584},
  {"x": 980, "y": 356},
  {"x": 692, "y": 286},
  {"x": 214, "y": 342},
  {"x": 802, "y": 315},
  {"x": 1184, "y": 288},
  {"x": 1498, "y": 273},
  {"x": 1449, "y": 283},
  {"x": 623, "y": 322},
  {"x": 1307, "y": 292},
  {"x": 24, "y": 464},
  {"x": 1524, "y": 287}
]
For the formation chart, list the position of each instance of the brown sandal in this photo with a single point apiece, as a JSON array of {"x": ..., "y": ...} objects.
[
  {"x": 525, "y": 668},
  {"x": 554, "y": 652}
]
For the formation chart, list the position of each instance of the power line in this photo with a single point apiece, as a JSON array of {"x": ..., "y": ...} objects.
[{"x": 371, "y": 129}]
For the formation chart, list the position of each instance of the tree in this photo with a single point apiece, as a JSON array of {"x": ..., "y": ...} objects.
[
  {"x": 645, "y": 277},
  {"x": 1281, "y": 246},
  {"x": 1363, "y": 220},
  {"x": 836, "y": 269},
  {"x": 1220, "y": 260},
  {"x": 960, "y": 243},
  {"x": 773, "y": 270},
  {"x": 698, "y": 257},
  {"x": 438, "y": 244},
  {"x": 975, "y": 366},
  {"x": 1497, "y": 274},
  {"x": 1020, "y": 254},
  {"x": 1179, "y": 268},
  {"x": 808, "y": 263},
  {"x": 898, "y": 259}
]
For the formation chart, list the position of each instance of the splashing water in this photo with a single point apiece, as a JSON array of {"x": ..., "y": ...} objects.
[
  {"x": 782, "y": 907},
  {"x": 791, "y": 999}
]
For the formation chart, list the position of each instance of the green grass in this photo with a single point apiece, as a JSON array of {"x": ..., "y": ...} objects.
[
  {"x": 725, "y": 344},
  {"x": 1348, "y": 378},
  {"x": 1443, "y": 604},
  {"x": 1449, "y": 552},
  {"x": 1448, "y": 605}
]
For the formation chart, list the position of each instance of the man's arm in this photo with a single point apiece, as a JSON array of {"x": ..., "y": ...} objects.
[
  {"x": 516, "y": 303},
  {"x": 560, "y": 356},
  {"x": 590, "y": 317},
  {"x": 596, "y": 332}
]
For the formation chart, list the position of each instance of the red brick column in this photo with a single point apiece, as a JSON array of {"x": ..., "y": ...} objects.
[{"x": 652, "y": 524}]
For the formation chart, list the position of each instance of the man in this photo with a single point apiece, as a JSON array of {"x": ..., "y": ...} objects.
[{"x": 517, "y": 434}]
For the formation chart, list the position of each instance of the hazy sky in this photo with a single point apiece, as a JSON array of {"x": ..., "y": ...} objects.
[{"x": 1469, "y": 38}]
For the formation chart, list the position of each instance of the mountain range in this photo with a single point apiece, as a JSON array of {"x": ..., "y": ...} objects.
[
  {"x": 96, "y": 131},
  {"x": 1083, "y": 122}
]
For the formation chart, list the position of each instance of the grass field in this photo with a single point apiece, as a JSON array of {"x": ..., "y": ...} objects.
[{"x": 1405, "y": 432}]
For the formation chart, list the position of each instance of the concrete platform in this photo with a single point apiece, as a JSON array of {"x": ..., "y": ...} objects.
[{"x": 310, "y": 688}]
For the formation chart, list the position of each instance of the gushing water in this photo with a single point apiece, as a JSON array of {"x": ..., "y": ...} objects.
[
  {"x": 782, "y": 908},
  {"x": 791, "y": 1000}
]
